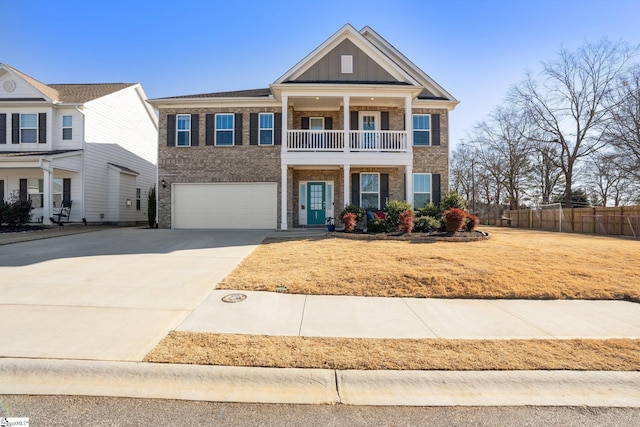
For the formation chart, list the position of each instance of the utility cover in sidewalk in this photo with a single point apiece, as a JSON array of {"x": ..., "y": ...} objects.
[{"x": 234, "y": 298}]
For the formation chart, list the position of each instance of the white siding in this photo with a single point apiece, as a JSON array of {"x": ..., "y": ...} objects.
[
  {"x": 77, "y": 129},
  {"x": 128, "y": 214},
  {"x": 31, "y": 146},
  {"x": 118, "y": 130}
]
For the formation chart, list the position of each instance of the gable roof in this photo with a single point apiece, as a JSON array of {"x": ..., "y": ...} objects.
[{"x": 71, "y": 93}]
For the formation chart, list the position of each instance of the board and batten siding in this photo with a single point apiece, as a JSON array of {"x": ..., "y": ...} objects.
[{"x": 119, "y": 129}]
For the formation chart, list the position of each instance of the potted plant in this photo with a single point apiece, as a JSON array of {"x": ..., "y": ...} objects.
[{"x": 331, "y": 226}]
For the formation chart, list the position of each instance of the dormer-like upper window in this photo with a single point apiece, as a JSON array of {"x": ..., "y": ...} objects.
[{"x": 347, "y": 64}]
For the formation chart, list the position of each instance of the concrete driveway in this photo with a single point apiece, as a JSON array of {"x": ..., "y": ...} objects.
[{"x": 109, "y": 295}]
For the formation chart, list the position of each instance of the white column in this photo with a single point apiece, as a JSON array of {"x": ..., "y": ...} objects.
[
  {"x": 347, "y": 177},
  {"x": 285, "y": 121},
  {"x": 46, "y": 195},
  {"x": 408, "y": 120},
  {"x": 346, "y": 125},
  {"x": 409, "y": 183},
  {"x": 284, "y": 189}
]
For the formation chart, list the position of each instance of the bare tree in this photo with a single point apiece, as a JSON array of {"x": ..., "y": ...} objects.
[{"x": 570, "y": 101}]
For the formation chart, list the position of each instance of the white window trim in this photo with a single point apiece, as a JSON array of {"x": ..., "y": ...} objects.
[
  {"x": 41, "y": 194},
  {"x": 376, "y": 120},
  {"x": 232, "y": 130},
  {"x": 187, "y": 131},
  {"x": 316, "y": 118},
  {"x": 260, "y": 129},
  {"x": 430, "y": 193},
  {"x": 346, "y": 64},
  {"x": 369, "y": 192},
  {"x": 29, "y": 128},
  {"x": 67, "y": 127},
  {"x": 421, "y": 130}
]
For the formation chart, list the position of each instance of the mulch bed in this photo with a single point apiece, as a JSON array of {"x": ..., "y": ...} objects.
[{"x": 463, "y": 236}]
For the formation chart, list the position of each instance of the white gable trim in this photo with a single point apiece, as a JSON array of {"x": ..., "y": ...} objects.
[
  {"x": 348, "y": 32},
  {"x": 13, "y": 75},
  {"x": 386, "y": 47}
]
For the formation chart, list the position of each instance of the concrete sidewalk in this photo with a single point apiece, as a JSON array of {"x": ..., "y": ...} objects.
[{"x": 266, "y": 313}]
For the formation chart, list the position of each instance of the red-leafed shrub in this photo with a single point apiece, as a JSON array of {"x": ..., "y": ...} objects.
[
  {"x": 349, "y": 220},
  {"x": 454, "y": 219},
  {"x": 472, "y": 222},
  {"x": 406, "y": 221}
]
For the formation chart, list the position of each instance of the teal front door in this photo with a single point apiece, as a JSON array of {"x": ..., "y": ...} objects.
[{"x": 316, "y": 203}]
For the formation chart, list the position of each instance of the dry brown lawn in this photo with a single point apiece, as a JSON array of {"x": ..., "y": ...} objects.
[
  {"x": 418, "y": 354},
  {"x": 512, "y": 264}
]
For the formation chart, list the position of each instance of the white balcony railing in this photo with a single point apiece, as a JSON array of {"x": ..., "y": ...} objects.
[{"x": 359, "y": 140}]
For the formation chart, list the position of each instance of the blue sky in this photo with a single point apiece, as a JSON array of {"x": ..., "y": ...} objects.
[{"x": 476, "y": 50}]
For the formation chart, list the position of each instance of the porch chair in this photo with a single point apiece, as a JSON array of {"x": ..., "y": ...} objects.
[{"x": 64, "y": 212}]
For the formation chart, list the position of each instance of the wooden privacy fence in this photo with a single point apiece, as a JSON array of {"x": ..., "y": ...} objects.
[{"x": 613, "y": 221}]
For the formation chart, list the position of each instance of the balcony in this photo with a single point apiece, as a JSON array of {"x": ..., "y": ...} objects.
[{"x": 359, "y": 141}]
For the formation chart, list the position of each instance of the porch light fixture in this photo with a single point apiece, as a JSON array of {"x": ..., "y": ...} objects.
[
  {"x": 317, "y": 97},
  {"x": 164, "y": 183},
  {"x": 372, "y": 99},
  {"x": 128, "y": 202}
]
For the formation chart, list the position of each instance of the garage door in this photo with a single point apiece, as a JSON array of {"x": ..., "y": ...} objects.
[{"x": 225, "y": 205}]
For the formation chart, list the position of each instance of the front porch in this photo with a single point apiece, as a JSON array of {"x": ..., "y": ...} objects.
[{"x": 359, "y": 141}]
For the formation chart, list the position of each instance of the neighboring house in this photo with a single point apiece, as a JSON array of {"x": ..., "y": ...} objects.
[
  {"x": 354, "y": 122},
  {"x": 93, "y": 145}
]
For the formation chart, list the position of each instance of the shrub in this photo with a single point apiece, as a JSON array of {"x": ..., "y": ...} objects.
[
  {"x": 429, "y": 210},
  {"x": 426, "y": 224},
  {"x": 151, "y": 207},
  {"x": 454, "y": 219},
  {"x": 406, "y": 221},
  {"x": 376, "y": 226},
  {"x": 472, "y": 222},
  {"x": 349, "y": 221},
  {"x": 451, "y": 199},
  {"x": 354, "y": 209},
  {"x": 392, "y": 212}
]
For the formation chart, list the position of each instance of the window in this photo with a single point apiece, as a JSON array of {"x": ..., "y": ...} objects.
[
  {"x": 421, "y": 189},
  {"x": 266, "y": 128},
  {"x": 421, "y": 129},
  {"x": 28, "y": 128},
  {"x": 183, "y": 130},
  {"x": 224, "y": 129},
  {"x": 67, "y": 128},
  {"x": 57, "y": 192},
  {"x": 138, "y": 198},
  {"x": 370, "y": 190},
  {"x": 346, "y": 61},
  {"x": 35, "y": 190},
  {"x": 316, "y": 123}
]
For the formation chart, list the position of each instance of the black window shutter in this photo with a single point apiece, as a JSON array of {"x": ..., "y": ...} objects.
[
  {"x": 238, "y": 128},
  {"x": 435, "y": 189},
  {"x": 23, "y": 190},
  {"x": 210, "y": 124},
  {"x": 171, "y": 130},
  {"x": 353, "y": 120},
  {"x": 355, "y": 189},
  {"x": 195, "y": 130},
  {"x": 3, "y": 129},
  {"x": 253, "y": 128},
  {"x": 277, "y": 128},
  {"x": 435, "y": 129},
  {"x": 304, "y": 122},
  {"x": 384, "y": 190},
  {"x": 384, "y": 120},
  {"x": 42, "y": 128},
  {"x": 328, "y": 123},
  {"x": 15, "y": 128},
  {"x": 66, "y": 191},
  {"x": 1, "y": 191}
]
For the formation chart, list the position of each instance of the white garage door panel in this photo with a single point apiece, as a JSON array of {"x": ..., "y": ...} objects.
[{"x": 228, "y": 205}]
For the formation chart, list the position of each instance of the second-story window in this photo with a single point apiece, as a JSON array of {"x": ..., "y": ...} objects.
[
  {"x": 266, "y": 128},
  {"x": 421, "y": 129},
  {"x": 67, "y": 127},
  {"x": 224, "y": 129},
  {"x": 28, "y": 128},
  {"x": 183, "y": 130}
]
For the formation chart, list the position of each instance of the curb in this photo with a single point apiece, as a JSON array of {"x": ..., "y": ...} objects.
[{"x": 319, "y": 386}]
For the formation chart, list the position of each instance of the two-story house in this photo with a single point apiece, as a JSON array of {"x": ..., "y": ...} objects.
[
  {"x": 354, "y": 122},
  {"x": 91, "y": 146}
]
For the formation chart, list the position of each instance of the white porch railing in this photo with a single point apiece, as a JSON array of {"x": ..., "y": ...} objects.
[
  {"x": 380, "y": 140},
  {"x": 315, "y": 140},
  {"x": 359, "y": 140}
]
